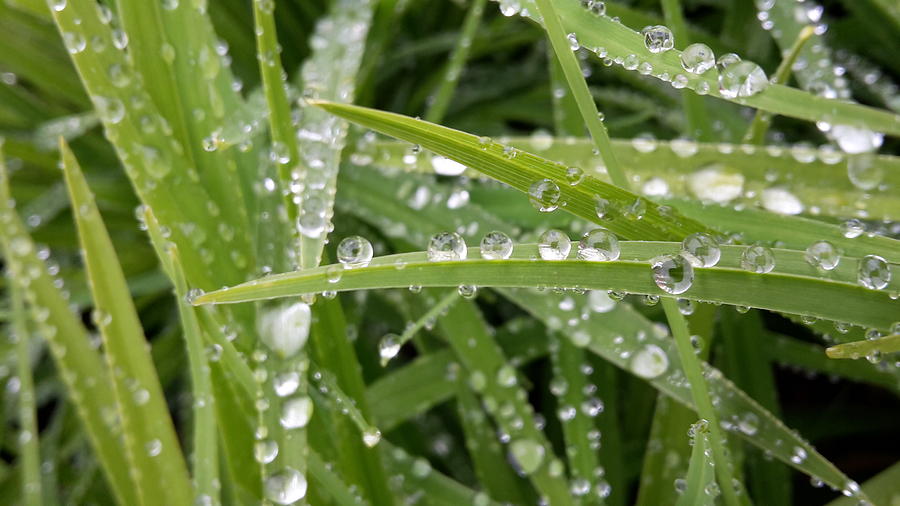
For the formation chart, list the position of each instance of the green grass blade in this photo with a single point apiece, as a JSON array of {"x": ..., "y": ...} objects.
[
  {"x": 80, "y": 365},
  {"x": 667, "y": 462},
  {"x": 835, "y": 297},
  {"x": 871, "y": 348},
  {"x": 29, "y": 450},
  {"x": 701, "y": 471},
  {"x": 152, "y": 447},
  {"x": 329, "y": 482},
  {"x": 882, "y": 488},
  {"x": 620, "y": 41}
]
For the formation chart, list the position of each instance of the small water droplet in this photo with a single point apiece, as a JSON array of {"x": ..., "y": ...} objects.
[
  {"x": 528, "y": 453},
  {"x": 873, "y": 272},
  {"x": 296, "y": 412},
  {"x": 649, "y": 362}
]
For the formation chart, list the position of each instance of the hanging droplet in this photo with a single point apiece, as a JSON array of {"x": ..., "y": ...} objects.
[
  {"x": 554, "y": 245},
  {"x": 446, "y": 247},
  {"x": 698, "y": 58},
  {"x": 496, "y": 246},
  {"x": 658, "y": 38},
  {"x": 354, "y": 251},
  {"x": 873, "y": 272},
  {"x": 822, "y": 255},
  {"x": 447, "y": 167},
  {"x": 758, "y": 259},
  {"x": 672, "y": 273},
  {"x": 599, "y": 245},
  {"x": 388, "y": 347},
  {"x": 544, "y": 195},
  {"x": 701, "y": 250},
  {"x": 371, "y": 437},
  {"x": 467, "y": 291}
]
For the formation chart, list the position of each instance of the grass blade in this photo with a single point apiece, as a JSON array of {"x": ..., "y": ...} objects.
[
  {"x": 701, "y": 471},
  {"x": 152, "y": 447},
  {"x": 872, "y": 349}
]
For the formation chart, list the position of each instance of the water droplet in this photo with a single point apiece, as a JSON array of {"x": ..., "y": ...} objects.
[
  {"x": 727, "y": 60},
  {"x": 781, "y": 201},
  {"x": 467, "y": 291},
  {"x": 758, "y": 259},
  {"x": 658, "y": 38},
  {"x": 599, "y": 245},
  {"x": 672, "y": 273},
  {"x": 573, "y": 42},
  {"x": 684, "y": 148},
  {"x": 544, "y": 195},
  {"x": 371, "y": 437},
  {"x": 286, "y": 383},
  {"x": 285, "y": 328},
  {"x": 388, "y": 347},
  {"x": 554, "y": 245},
  {"x": 354, "y": 251},
  {"x": 58, "y": 5},
  {"x": 600, "y": 301},
  {"x": 644, "y": 143},
  {"x": 798, "y": 456},
  {"x": 574, "y": 175},
  {"x": 447, "y": 167},
  {"x": 528, "y": 454},
  {"x": 714, "y": 184},
  {"x": 701, "y": 250},
  {"x": 154, "y": 447},
  {"x": 698, "y": 58},
  {"x": 649, "y": 362},
  {"x": 864, "y": 172},
  {"x": 822, "y": 255},
  {"x": 873, "y": 272},
  {"x": 603, "y": 208},
  {"x": 285, "y": 487},
  {"x": 742, "y": 79},
  {"x": 446, "y": 247},
  {"x": 296, "y": 412},
  {"x": 265, "y": 451},
  {"x": 856, "y": 140},
  {"x": 496, "y": 246},
  {"x": 506, "y": 376},
  {"x": 749, "y": 424}
]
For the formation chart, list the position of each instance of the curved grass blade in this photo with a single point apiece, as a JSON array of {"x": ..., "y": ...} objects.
[
  {"x": 80, "y": 365},
  {"x": 872, "y": 349},
  {"x": 701, "y": 471},
  {"x": 156, "y": 462},
  {"x": 835, "y": 297},
  {"x": 619, "y": 41}
]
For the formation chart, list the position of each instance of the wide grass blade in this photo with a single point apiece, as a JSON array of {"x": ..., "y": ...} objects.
[{"x": 156, "y": 462}]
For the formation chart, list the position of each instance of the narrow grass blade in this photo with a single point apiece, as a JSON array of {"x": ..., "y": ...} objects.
[
  {"x": 329, "y": 482},
  {"x": 156, "y": 462},
  {"x": 701, "y": 472},
  {"x": 80, "y": 365},
  {"x": 872, "y": 349},
  {"x": 667, "y": 462},
  {"x": 619, "y": 41},
  {"x": 29, "y": 450},
  {"x": 882, "y": 488},
  {"x": 436, "y": 310}
]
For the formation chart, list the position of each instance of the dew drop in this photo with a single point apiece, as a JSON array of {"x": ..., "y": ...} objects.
[
  {"x": 296, "y": 412},
  {"x": 873, "y": 272},
  {"x": 528, "y": 453},
  {"x": 371, "y": 437},
  {"x": 649, "y": 362},
  {"x": 672, "y": 273},
  {"x": 658, "y": 38},
  {"x": 698, "y": 58},
  {"x": 446, "y": 247},
  {"x": 447, "y": 167},
  {"x": 822, "y": 255},
  {"x": 544, "y": 195},
  {"x": 554, "y": 245},
  {"x": 701, "y": 250},
  {"x": 496, "y": 246},
  {"x": 758, "y": 259},
  {"x": 285, "y": 487},
  {"x": 354, "y": 251},
  {"x": 599, "y": 245},
  {"x": 742, "y": 79}
]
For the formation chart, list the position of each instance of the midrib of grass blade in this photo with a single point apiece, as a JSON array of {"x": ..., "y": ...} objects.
[
  {"x": 520, "y": 169},
  {"x": 152, "y": 447},
  {"x": 756, "y": 134},
  {"x": 816, "y": 183},
  {"x": 329, "y": 74},
  {"x": 579, "y": 89},
  {"x": 440, "y": 101},
  {"x": 621, "y": 41},
  {"x": 702, "y": 401},
  {"x": 868, "y": 348},
  {"x": 694, "y": 107},
  {"x": 29, "y": 451},
  {"x": 568, "y": 361},
  {"x": 750, "y": 367},
  {"x": 772, "y": 435},
  {"x": 80, "y": 365},
  {"x": 701, "y": 472},
  {"x": 483, "y": 358},
  {"x": 835, "y": 297}
]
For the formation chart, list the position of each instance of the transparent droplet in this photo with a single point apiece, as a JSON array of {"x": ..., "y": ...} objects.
[
  {"x": 698, "y": 58},
  {"x": 528, "y": 453},
  {"x": 856, "y": 140},
  {"x": 864, "y": 172},
  {"x": 285, "y": 487},
  {"x": 600, "y": 301},
  {"x": 573, "y": 42},
  {"x": 701, "y": 250},
  {"x": 447, "y": 167},
  {"x": 716, "y": 184},
  {"x": 749, "y": 424},
  {"x": 285, "y": 327},
  {"x": 506, "y": 376},
  {"x": 286, "y": 383},
  {"x": 742, "y": 79},
  {"x": 371, "y": 437},
  {"x": 873, "y": 272},
  {"x": 446, "y": 247},
  {"x": 496, "y": 246},
  {"x": 649, "y": 362},
  {"x": 758, "y": 259},
  {"x": 599, "y": 245},
  {"x": 544, "y": 195},
  {"x": 467, "y": 291},
  {"x": 727, "y": 60},
  {"x": 781, "y": 201},
  {"x": 265, "y": 451},
  {"x": 823, "y": 255},
  {"x": 354, "y": 251},
  {"x": 574, "y": 175},
  {"x": 658, "y": 38},
  {"x": 296, "y": 412},
  {"x": 388, "y": 347},
  {"x": 154, "y": 447},
  {"x": 672, "y": 273},
  {"x": 554, "y": 245}
]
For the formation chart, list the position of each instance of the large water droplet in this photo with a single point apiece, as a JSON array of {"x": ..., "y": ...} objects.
[
  {"x": 285, "y": 328},
  {"x": 599, "y": 245},
  {"x": 714, "y": 184},
  {"x": 658, "y": 38},
  {"x": 296, "y": 412},
  {"x": 529, "y": 454},
  {"x": 446, "y": 247},
  {"x": 285, "y": 487},
  {"x": 758, "y": 259},
  {"x": 265, "y": 451},
  {"x": 701, "y": 250},
  {"x": 698, "y": 58},
  {"x": 496, "y": 246},
  {"x": 672, "y": 273},
  {"x": 554, "y": 245},
  {"x": 742, "y": 79},
  {"x": 856, "y": 140},
  {"x": 823, "y": 255},
  {"x": 649, "y": 362},
  {"x": 354, "y": 251},
  {"x": 544, "y": 195},
  {"x": 873, "y": 272}
]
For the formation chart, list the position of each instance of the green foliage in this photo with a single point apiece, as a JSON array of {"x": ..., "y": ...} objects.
[{"x": 185, "y": 325}]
